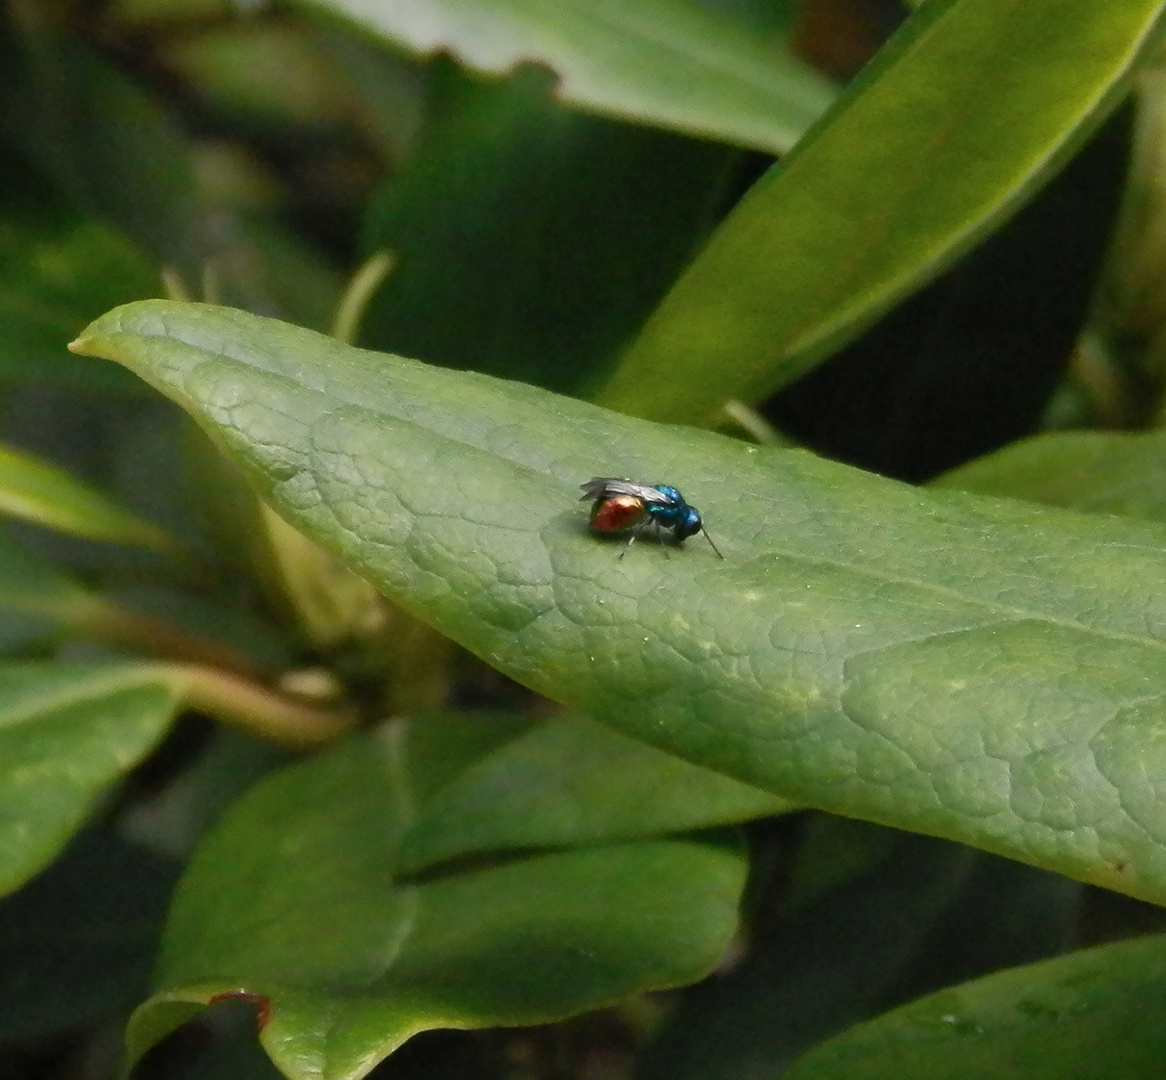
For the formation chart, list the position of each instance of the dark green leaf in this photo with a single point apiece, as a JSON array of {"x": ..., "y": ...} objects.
[
  {"x": 530, "y": 241},
  {"x": 977, "y": 669},
  {"x": 34, "y": 588},
  {"x": 959, "y": 119},
  {"x": 569, "y": 781},
  {"x": 664, "y": 62},
  {"x": 77, "y": 943},
  {"x": 1106, "y": 472},
  {"x": 68, "y": 732},
  {"x": 291, "y": 902},
  {"x": 99, "y": 136},
  {"x": 1092, "y": 1014},
  {"x": 58, "y": 270},
  {"x": 814, "y": 974}
]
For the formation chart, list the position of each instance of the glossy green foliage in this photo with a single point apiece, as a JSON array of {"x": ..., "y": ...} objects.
[
  {"x": 1092, "y": 1014},
  {"x": 531, "y": 241},
  {"x": 36, "y": 491},
  {"x": 1107, "y": 472},
  {"x": 664, "y": 62},
  {"x": 68, "y": 732},
  {"x": 955, "y": 123},
  {"x": 562, "y": 782},
  {"x": 294, "y": 901},
  {"x": 966, "y": 667}
]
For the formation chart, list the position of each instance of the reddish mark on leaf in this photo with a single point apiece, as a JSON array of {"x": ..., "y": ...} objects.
[{"x": 261, "y": 1002}]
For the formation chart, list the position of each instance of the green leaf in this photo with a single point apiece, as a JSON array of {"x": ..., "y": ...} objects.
[
  {"x": 1095, "y": 1013},
  {"x": 291, "y": 902},
  {"x": 569, "y": 781},
  {"x": 102, "y": 139},
  {"x": 36, "y": 491},
  {"x": 662, "y": 62},
  {"x": 77, "y": 943},
  {"x": 68, "y": 732},
  {"x": 58, "y": 270},
  {"x": 976, "y": 669},
  {"x": 1106, "y": 472},
  {"x": 957, "y": 121},
  {"x": 531, "y": 241}
]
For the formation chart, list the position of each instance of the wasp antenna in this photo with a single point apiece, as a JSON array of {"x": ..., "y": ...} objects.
[{"x": 710, "y": 540}]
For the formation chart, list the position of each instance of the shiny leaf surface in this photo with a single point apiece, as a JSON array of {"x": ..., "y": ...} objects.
[
  {"x": 291, "y": 902},
  {"x": 952, "y": 126},
  {"x": 1094, "y": 1013},
  {"x": 68, "y": 732},
  {"x": 977, "y": 669},
  {"x": 564, "y": 782},
  {"x": 663, "y": 62}
]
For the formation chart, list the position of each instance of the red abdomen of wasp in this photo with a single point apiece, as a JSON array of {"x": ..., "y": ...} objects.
[{"x": 617, "y": 514}]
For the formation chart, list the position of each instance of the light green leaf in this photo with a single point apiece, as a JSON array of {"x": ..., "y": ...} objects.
[
  {"x": 951, "y": 128},
  {"x": 1092, "y": 1014},
  {"x": 569, "y": 781},
  {"x": 36, "y": 491},
  {"x": 982, "y": 670},
  {"x": 663, "y": 62},
  {"x": 68, "y": 732},
  {"x": 291, "y": 902},
  {"x": 1107, "y": 472}
]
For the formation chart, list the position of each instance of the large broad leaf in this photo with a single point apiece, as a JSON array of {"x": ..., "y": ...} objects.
[
  {"x": 529, "y": 240},
  {"x": 292, "y": 902},
  {"x": 666, "y": 62},
  {"x": 67, "y": 733},
  {"x": 976, "y": 669},
  {"x": 1106, "y": 472},
  {"x": 562, "y": 782},
  {"x": 956, "y": 122},
  {"x": 1092, "y": 1014}
]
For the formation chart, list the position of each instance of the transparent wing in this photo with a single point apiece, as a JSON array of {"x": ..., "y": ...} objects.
[{"x": 604, "y": 487}]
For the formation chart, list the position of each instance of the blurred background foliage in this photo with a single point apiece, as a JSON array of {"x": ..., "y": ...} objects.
[{"x": 257, "y": 154}]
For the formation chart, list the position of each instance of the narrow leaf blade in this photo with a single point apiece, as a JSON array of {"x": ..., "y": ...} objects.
[
  {"x": 956, "y": 122},
  {"x": 36, "y": 491}
]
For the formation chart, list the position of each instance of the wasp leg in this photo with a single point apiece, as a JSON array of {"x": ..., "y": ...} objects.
[{"x": 631, "y": 540}]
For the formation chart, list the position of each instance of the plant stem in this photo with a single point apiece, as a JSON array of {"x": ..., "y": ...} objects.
[{"x": 259, "y": 710}]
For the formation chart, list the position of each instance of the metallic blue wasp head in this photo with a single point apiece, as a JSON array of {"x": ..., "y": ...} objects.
[{"x": 688, "y": 524}]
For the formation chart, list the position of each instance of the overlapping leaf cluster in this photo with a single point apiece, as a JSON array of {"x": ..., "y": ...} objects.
[{"x": 981, "y": 662}]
